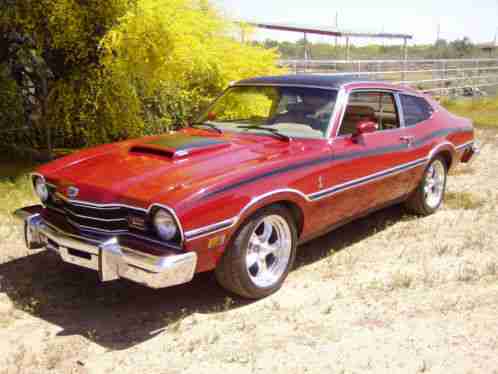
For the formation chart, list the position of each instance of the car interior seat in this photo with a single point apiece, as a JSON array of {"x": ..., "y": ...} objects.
[{"x": 355, "y": 114}]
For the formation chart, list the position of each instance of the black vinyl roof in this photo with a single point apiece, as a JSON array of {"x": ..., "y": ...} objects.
[{"x": 325, "y": 81}]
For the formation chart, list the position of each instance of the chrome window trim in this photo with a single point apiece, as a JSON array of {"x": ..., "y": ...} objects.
[
  {"x": 420, "y": 97},
  {"x": 392, "y": 91},
  {"x": 342, "y": 99},
  {"x": 339, "y": 89},
  {"x": 401, "y": 113}
]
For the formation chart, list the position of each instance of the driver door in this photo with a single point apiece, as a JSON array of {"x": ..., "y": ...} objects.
[{"x": 368, "y": 170}]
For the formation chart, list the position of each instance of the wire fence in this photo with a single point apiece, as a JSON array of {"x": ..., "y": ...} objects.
[{"x": 445, "y": 77}]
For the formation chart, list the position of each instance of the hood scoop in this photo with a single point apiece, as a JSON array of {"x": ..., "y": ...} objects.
[{"x": 177, "y": 146}]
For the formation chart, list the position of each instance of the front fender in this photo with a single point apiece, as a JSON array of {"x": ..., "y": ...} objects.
[{"x": 210, "y": 241}]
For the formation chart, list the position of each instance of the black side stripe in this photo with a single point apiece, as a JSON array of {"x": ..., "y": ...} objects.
[
  {"x": 326, "y": 159},
  {"x": 360, "y": 181}
]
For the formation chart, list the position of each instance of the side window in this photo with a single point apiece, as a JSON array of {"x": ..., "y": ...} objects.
[
  {"x": 379, "y": 107},
  {"x": 415, "y": 109}
]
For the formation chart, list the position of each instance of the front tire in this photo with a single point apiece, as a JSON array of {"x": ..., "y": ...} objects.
[
  {"x": 261, "y": 254},
  {"x": 429, "y": 195}
]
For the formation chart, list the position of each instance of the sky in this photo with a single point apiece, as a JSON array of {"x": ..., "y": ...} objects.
[{"x": 476, "y": 19}]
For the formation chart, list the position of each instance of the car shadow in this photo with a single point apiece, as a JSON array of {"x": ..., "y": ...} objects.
[{"x": 121, "y": 314}]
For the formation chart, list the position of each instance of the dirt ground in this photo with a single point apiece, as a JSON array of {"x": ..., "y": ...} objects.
[{"x": 391, "y": 293}]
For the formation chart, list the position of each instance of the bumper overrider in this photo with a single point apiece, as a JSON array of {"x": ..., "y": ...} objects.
[
  {"x": 107, "y": 256},
  {"x": 471, "y": 151}
]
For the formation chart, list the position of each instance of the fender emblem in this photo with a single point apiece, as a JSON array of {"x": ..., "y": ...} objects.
[{"x": 72, "y": 192}]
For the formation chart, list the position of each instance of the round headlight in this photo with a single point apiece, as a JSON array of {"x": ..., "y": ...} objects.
[
  {"x": 41, "y": 188},
  {"x": 165, "y": 225}
]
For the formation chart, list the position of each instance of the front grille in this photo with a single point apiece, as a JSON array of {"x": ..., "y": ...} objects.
[{"x": 112, "y": 219}]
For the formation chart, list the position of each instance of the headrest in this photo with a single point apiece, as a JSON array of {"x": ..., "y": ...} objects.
[
  {"x": 360, "y": 111},
  {"x": 297, "y": 107}
]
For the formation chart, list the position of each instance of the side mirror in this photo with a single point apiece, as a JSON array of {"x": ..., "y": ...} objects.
[
  {"x": 365, "y": 127},
  {"x": 211, "y": 116}
]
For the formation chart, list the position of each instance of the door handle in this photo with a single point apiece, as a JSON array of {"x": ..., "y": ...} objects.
[{"x": 407, "y": 139}]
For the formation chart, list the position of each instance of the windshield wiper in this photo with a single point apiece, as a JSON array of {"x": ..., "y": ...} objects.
[
  {"x": 207, "y": 124},
  {"x": 272, "y": 131}
]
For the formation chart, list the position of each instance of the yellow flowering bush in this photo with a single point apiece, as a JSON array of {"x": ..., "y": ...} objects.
[{"x": 123, "y": 68}]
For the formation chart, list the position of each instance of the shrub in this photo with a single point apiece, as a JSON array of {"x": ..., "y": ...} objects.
[{"x": 123, "y": 68}]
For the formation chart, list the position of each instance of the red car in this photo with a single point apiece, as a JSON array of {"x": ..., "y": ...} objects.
[{"x": 274, "y": 162}]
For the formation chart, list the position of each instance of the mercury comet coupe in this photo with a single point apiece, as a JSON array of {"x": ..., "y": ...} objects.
[{"x": 274, "y": 162}]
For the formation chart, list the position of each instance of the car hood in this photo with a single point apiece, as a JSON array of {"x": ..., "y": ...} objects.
[{"x": 162, "y": 169}]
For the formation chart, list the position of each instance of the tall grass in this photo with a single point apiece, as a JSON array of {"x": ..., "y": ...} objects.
[
  {"x": 483, "y": 112},
  {"x": 15, "y": 193},
  {"x": 15, "y": 188}
]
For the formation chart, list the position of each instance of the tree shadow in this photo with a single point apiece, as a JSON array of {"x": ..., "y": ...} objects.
[
  {"x": 121, "y": 314},
  {"x": 14, "y": 168}
]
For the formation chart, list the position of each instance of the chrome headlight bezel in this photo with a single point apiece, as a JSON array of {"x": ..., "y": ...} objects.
[
  {"x": 165, "y": 225},
  {"x": 40, "y": 188}
]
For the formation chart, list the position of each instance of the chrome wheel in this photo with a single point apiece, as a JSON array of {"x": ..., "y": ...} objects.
[
  {"x": 435, "y": 179},
  {"x": 269, "y": 250}
]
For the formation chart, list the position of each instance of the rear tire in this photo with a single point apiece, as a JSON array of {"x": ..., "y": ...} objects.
[
  {"x": 429, "y": 195},
  {"x": 260, "y": 255}
]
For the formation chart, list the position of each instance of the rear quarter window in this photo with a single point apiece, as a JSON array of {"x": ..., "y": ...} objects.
[{"x": 415, "y": 109}]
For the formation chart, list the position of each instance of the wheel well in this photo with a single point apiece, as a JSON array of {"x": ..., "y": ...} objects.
[
  {"x": 448, "y": 159},
  {"x": 296, "y": 212}
]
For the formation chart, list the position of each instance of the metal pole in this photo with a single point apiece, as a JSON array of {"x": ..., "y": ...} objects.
[
  {"x": 444, "y": 74},
  {"x": 405, "y": 58},
  {"x": 305, "y": 53},
  {"x": 476, "y": 79},
  {"x": 337, "y": 29},
  {"x": 305, "y": 47},
  {"x": 347, "y": 48}
]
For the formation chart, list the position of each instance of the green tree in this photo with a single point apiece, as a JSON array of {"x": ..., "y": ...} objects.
[{"x": 123, "y": 68}]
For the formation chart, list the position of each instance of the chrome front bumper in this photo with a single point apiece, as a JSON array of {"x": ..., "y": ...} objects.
[{"x": 110, "y": 259}]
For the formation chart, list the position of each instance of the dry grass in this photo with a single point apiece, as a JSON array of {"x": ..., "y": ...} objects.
[
  {"x": 463, "y": 200},
  {"x": 483, "y": 112},
  {"x": 388, "y": 293}
]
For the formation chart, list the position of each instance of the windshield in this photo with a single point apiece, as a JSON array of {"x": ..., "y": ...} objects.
[{"x": 289, "y": 111}]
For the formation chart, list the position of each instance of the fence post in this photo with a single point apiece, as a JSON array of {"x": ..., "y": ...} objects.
[
  {"x": 476, "y": 79},
  {"x": 347, "y": 48},
  {"x": 405, "y": 59},
  {"x": 443, "y": 76}
]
